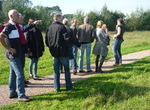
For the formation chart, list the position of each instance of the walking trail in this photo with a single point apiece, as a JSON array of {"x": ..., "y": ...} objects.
[{"x": 36, "y": 87}]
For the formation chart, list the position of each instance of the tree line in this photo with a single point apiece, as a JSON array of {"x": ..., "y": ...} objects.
[{"x": 138, "y": 20}]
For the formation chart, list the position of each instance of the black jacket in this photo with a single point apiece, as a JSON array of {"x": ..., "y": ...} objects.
[
  {"x": 57, "y": 40},
  {"x": 35, "y": 43},
  {"x": 72, "y": 38}
]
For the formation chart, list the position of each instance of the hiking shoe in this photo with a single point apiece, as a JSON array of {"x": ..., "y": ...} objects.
[
  {"x": 81, "y": 71},
  {"x": 74, "y": 72},
  {"x": 89, "y": 71},
  {"x": 101, "y": 71},
  {"x": 25, "y": 85},
  {"x": 24, "y": 99},
  {"x": 57, "y": 91},
  {"x": 115, "y": 64},
  {"x": 13, "y": 96},
  {"x": 26, "y": 82},
  {"x": 36, "y": 78}
]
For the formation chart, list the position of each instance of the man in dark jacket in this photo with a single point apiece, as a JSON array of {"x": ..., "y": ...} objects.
[
  {"x": 72, "y": 41},
  {"x": 57, "y": 41}
]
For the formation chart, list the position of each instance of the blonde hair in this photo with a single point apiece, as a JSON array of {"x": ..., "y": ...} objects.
[{"x": 99, "y": 24}]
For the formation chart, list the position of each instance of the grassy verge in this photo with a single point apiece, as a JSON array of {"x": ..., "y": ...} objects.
[
  {"x": 134, "y": 41},
  {"x": 125, "y": 88}
]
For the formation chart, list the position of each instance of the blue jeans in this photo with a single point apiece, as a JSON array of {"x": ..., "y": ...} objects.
[
  {"x": 73, "y": 62},
  {"x": 16, "y": 78},
  {"x": 33, "y": 66},
  {"x": 84, "y": 47},
  {"x": 117, "y": 51},
  {"x": 65, "y": 62}
]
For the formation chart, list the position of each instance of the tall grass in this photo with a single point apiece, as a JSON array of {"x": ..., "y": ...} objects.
[{"x": 134, "y": 41}]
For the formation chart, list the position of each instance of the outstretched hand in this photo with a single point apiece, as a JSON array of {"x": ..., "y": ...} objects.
[{"x": 37, "y": 22}]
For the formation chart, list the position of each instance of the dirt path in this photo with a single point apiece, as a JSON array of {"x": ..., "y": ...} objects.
[{"x": 45, "y": 85}]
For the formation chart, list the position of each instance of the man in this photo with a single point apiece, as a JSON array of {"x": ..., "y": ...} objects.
[
  {"x": 13, "y": 47},
  {"x": 72, "y": 41},
  {"x": 57, "y": 41},
  {"x": 13, "y": 40},
  {"x": 20, "y": 21},
  {"x": 85, "y": 38},
  {"x": 74, "y": 47}
]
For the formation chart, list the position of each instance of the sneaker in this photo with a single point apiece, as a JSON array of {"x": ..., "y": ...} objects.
[
  {"x": 74, "y": 72},
  {"x": 81, "y": 71},
  {"x": 13, "y": 96},
  {"x": 115, "y": 64},
  {"x": 89, "y": 71},
  {"x": 69, "y": 89},
  {"x": 25, "y": 85},
  {"x": 101, "y": 71},
  {"x": 24, "y": 99},
  {"x": 57, "y": 90},
  {"x": 26, "y": 82},
  {"x": 36, "y": 78}
]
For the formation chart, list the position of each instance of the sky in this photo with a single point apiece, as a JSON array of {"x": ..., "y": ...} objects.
[{"x": 71, "y": 6}]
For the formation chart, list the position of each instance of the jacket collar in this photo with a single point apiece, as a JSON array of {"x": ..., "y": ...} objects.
[{"x": 11, "y": 22}]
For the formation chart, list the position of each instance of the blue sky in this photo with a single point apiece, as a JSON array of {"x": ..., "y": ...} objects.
[{"x": 71, "y": 6}]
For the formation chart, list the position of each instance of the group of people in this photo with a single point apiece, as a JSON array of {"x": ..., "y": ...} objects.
[{"x": 63, "y": 42}]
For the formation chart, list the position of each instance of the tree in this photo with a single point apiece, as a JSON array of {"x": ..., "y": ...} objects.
[
  {"x": 145, "y": 20},
  {"x": 79, "y": 15},
  {"x": 1, "y": 2},
  {"x": 134, "y": 21},
  {"x": 93, "y": 18},
  {"x": 20, "y": 5},
  {"x": 45, "y": 15},
  {"x": 110, "y": 17},
  {"x": 69, "y": 17}
]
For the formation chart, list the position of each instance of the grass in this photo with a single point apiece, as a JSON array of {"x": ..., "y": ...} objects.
[
  {"x": 134, "y": 41},
  {"x": 125, "y": 88}
]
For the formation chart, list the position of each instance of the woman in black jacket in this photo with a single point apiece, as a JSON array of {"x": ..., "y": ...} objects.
[{"x": 35, "y": 48}]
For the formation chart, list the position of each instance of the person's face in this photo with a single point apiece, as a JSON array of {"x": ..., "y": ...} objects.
[
  {"x": 60, "y": 19},
  {"x": 15, "y": 16},
  {"x": 118, "y": 22},
  {"x": 20, "y": 20},
  {"x": 104, "y": 27},
  {"x": 75, "y": 22}
]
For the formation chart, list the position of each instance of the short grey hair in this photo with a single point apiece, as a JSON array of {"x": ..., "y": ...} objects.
[
  {"x": 11, "y": 12},
  {"x": 86, "y": 19},
  {"x": 56, "y": 16},
  {"x": 65, "y": 21}
]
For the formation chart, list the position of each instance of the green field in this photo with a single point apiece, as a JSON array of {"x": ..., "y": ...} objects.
[
  {"x": 125, "y": 88},
  {"x": 133, "y": 41}
]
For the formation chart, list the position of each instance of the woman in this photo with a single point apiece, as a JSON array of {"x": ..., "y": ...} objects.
[
  {"x": 100, "y": 48},
  {"x": 35, "y": 48},
  {"x": 118, "y": 39}
]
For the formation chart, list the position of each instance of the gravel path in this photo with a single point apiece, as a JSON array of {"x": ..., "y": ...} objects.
[{"x": 45, "y": 85}]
